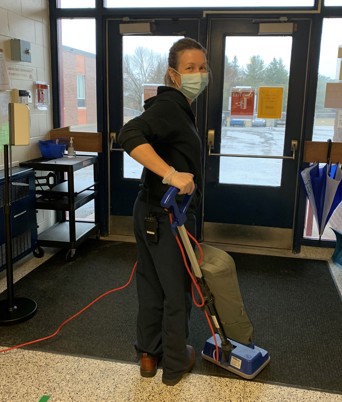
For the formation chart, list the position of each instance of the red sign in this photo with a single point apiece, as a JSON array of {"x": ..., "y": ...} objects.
[{"x": 242, "y": 102}]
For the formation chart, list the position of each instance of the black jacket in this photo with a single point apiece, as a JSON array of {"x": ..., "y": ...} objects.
[{"x": 168, "y": 125}]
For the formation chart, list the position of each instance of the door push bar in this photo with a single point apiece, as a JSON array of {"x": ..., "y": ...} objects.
[
  {"x": 211, "y": 137},
  {"x": 112, "y": 141}
]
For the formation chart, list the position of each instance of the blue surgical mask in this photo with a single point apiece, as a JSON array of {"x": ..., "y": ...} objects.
[{"x": 193, "y": 84}]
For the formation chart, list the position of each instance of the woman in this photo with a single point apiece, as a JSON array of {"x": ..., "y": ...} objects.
[{"x": 164, "y": 139}]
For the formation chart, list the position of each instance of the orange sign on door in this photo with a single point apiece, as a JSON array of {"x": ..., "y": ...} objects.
[{"x": 242, "y": 102}]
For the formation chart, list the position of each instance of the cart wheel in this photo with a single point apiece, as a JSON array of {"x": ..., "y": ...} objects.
[
  {"x": 70, "y": 255},
  {"x": 38, "y": 252}
]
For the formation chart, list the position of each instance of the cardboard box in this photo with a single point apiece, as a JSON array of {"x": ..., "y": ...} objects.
[{"x": 83, "y": 141}]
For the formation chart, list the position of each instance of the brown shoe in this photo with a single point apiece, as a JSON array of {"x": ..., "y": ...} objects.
[
  {"x": 191, "y": 362},
  {"x": 148, "y": 365}
]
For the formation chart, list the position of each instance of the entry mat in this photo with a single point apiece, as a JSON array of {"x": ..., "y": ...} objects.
[{"x": 293, "y": 304}]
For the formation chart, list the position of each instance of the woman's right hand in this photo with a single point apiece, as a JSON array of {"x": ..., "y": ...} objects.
[
  {"x": 148, "y": 157},
  {"x": 183, "y": 181}
]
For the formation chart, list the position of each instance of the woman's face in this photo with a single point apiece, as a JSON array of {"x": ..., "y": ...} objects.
[{"x": 189, "y": 62}]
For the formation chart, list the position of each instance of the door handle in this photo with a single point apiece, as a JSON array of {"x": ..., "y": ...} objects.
[
  {"x": 113, "y": 140},
  {"x": 211, "y": 140}
]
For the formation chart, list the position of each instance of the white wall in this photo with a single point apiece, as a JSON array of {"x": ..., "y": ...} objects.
[{"x": 28, "y": 20}]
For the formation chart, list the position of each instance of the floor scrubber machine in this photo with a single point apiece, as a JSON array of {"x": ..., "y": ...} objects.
[{"x": 231, "y": 346}]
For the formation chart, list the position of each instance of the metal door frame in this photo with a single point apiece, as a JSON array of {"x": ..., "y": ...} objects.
[
  {"x": 264, "y": 236},
  {"x": 121, "y": 222}
]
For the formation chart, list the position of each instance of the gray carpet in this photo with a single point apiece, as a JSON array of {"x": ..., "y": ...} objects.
[{"x": 293, "y": 304}]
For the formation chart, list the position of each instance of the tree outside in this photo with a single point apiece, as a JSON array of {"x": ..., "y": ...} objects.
[{"x": 146, "y": 66}]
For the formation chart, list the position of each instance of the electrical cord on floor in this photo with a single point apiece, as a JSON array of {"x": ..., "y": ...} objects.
[
  {"x": 194, "y": 285},
  {"x": 75, "y": 315}
]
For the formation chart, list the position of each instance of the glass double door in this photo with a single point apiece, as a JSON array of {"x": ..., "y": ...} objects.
[{"x": 250, "y": 120}]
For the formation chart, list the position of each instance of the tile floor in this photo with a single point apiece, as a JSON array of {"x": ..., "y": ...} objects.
[{"x": 27, "y": 376}]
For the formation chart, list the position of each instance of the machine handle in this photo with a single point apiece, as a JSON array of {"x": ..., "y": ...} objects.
[{"x": 178, "y": 211}]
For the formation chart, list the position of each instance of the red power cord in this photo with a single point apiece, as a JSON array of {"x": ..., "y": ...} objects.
[
  {"x": 75, "y": 315},
  {"x": 194, "y": 285}
]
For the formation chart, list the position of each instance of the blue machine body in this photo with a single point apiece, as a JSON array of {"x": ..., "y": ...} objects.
[{"x": 245, "y": 361}]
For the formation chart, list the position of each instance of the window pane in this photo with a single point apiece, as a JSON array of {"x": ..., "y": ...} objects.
[
  {"x": 75, "y": 3},
  {"x": 333, "y": 2},
  {"x": 326, "y": 124},
  {"x": 77, "y": 74},
  {"x": 81, "y": 92},
  {"x": 144, "y": 67},
  {"x": 209, "y": 4},
  {"x": 253, "y": 65}
]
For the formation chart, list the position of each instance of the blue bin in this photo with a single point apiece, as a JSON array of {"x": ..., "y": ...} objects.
[{"x": 52, "y": 149}]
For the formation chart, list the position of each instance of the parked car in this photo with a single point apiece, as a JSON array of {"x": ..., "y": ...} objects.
[
  {"x": 237, "y": 123},
  {"x": 280, "y": 122},
  {"x": 258, "y": 122}
]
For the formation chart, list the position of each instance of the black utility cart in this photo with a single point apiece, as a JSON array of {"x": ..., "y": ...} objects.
[
  {"x": 23, "y": 214},
  {"x": 58, "y": 190}
]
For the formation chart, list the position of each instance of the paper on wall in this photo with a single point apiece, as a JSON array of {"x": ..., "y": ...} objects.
[
  {"x": 4, "y": 79},
  {"x": 333, "y": 95}
]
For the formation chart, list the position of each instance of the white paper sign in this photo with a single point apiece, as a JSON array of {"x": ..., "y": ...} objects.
[{"x": 4, "y": 80}]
